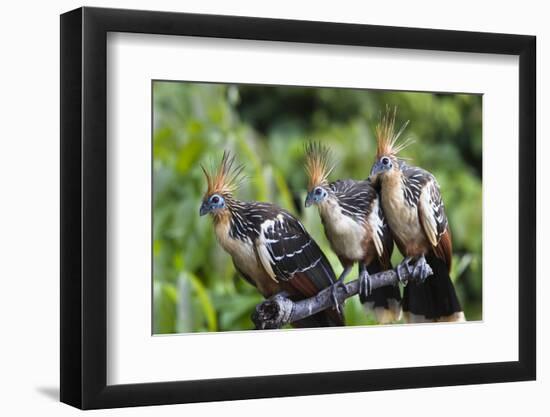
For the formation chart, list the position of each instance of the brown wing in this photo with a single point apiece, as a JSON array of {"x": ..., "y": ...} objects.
[
  {"x": 293, "y": 258},
  {"x": 381, "y": 234},
  {"x": 444, "y": 249},
  {"x": 431, "y": 212}
]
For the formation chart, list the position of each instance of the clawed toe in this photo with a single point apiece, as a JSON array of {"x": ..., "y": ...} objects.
[
  {"x": 414, "y": 269},
  {"x": 339, "y": 306},
  {"x": 421, "y": 270},
  {"x": 364, "y": 285}
]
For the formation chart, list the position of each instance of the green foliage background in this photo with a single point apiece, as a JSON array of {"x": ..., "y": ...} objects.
[{"x": 195, "y": 285}]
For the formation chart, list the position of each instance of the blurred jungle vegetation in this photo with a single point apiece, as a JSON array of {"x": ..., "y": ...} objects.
[{"x": 195, "y": 285}]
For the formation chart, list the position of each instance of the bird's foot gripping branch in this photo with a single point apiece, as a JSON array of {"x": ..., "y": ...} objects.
[{"x": 280, "y": 310}]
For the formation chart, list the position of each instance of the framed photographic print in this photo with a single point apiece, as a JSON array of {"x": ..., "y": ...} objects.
[{"x": 272, "y": 187}]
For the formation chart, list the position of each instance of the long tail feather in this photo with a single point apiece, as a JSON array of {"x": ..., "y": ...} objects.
[
  {"x": 435, "y": 299},
  {"x": 385, "y": 301}
]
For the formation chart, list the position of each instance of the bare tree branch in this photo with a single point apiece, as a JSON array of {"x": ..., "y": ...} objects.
[{"x": 280, "y": 310}]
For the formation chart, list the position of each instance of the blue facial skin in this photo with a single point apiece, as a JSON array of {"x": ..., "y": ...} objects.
[
  {"x": 316, "y": 196},
  {"x": 214, "y": 202},
  {"x": 382, "y": 165}
]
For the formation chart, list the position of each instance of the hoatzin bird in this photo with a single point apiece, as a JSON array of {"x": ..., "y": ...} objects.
[
  {"x": 355, "y": 226},
  {"x": 413, "y": 206},
  {"x": 270, "y": 248}
]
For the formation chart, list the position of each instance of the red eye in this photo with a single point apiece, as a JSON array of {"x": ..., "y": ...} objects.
[
  {"x": 215, "y": 199},
  {"x": 385, "y": 161}
]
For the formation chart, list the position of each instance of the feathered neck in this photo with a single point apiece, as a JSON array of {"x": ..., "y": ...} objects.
[
  {"x": 328, "y": 205},
  {"x": 392, "y": 179},
  {"x": 226, "y": 214}
]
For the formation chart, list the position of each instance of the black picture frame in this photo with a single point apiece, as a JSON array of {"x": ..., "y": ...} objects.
[{"x": 84, "y": 207}]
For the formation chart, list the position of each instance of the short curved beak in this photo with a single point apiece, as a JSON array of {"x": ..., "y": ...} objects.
[
  {"x": 309, "y": 200},
  {"x": 204, "y": 209},
  {"x": 374, "y": 172}
]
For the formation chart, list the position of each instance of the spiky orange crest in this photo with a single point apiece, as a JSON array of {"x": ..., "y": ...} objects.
[
  {"x": 317, "y": 165},
  {"x": 226, "y": 179},
  {"x": 387, "y": 138}
]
